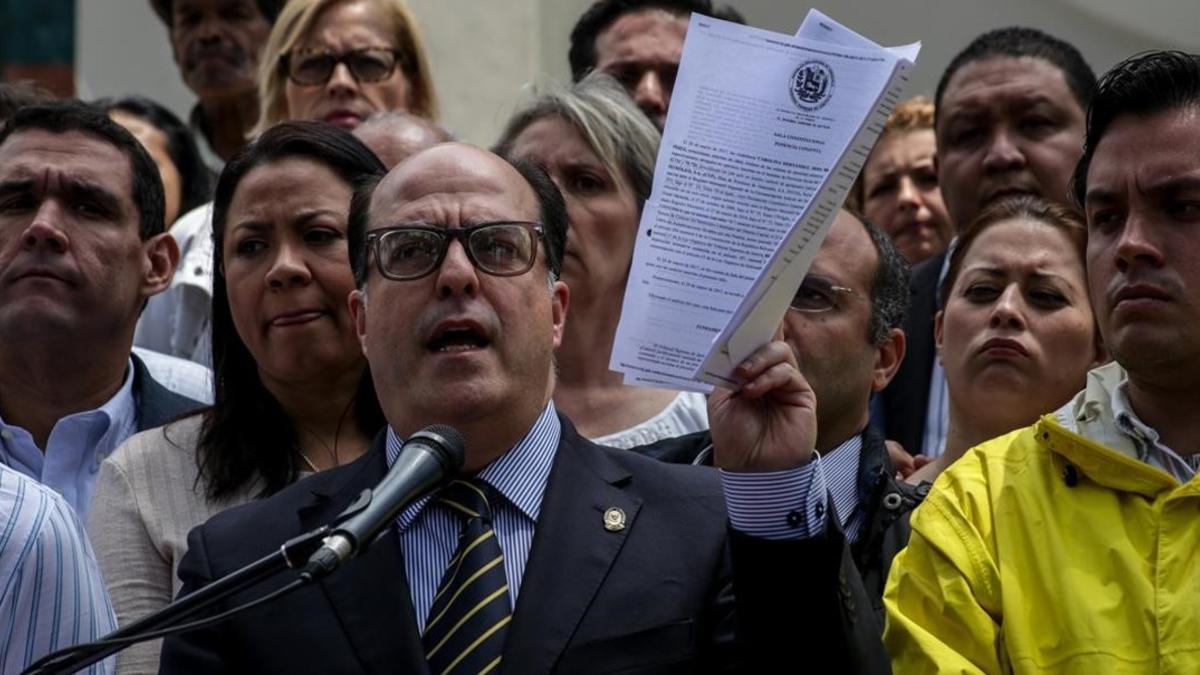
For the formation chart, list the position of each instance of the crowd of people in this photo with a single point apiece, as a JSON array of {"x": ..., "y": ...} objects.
[{"x": 971, "y": 447}]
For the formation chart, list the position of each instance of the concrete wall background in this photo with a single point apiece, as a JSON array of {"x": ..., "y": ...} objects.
[{"x": 484, "y": 51}]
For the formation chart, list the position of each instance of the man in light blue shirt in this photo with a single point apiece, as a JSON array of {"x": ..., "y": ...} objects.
[
  {"x": 82, "y": 247},
  {"x": 51, "y": 593}
]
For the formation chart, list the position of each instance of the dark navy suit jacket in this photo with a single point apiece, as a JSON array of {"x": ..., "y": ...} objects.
[{"x": 655, "y": 597}]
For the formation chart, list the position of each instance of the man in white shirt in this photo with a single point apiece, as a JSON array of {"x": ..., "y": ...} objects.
[{"x": 82, "y": 247}]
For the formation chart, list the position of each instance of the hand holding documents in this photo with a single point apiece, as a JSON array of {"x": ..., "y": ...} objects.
[{"x": 765, "y": 136}]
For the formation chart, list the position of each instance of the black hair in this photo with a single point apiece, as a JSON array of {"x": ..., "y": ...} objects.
[
  {"x": 269, "y": 9},
  {"x": 604, "y": 13},
  {"x": 889, "y": 285},
  {"x": 196, "y": 180},
  {"x": 17, "y": 95},
  {"x": 67, "y": 115},
  {"x": 1144, "y": 84},
  {"x": 1016, "y": 42},
  {"x": 246, "y": 437},
  {"x": 552, "y": 213}
]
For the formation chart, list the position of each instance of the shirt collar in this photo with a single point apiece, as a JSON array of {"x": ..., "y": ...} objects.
[
  {"x": 105, "y": 427},
  {"x": 1149, "y": 446},
  {"x": 119, "y": 411},
  {"x": 519, "y": 475}
]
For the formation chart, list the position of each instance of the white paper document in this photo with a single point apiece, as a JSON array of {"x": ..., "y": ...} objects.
[{"x": 765, "y": 135}]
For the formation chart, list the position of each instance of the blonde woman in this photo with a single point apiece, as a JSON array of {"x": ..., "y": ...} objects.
[{"x": 341, "y": 61}]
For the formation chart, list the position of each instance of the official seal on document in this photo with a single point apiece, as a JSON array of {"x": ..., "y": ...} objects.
[{"x": 811, "y": 85}]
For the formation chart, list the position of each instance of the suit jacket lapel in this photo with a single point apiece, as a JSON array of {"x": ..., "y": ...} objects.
[
  {"x": 572, "y": 551},
  {"x": 156, "y": 405},
  {"x": 369, "y": 594}
]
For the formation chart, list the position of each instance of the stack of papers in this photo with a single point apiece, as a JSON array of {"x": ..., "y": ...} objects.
[{"x": 764, "y": 138}]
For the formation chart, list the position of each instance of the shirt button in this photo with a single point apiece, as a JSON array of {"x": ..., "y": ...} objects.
[
  {"x": 795, "y": 518},
  {"x": 819, "y": 509}
]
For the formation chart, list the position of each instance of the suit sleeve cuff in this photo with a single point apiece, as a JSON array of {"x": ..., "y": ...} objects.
[{"x": 789, "y": 504}]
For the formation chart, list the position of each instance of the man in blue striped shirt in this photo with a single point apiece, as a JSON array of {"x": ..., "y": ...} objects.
[
  {"x": 598, "y": 560},
  {"x": 51, "y": 593}
]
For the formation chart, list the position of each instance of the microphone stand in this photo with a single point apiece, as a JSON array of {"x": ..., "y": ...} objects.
[{"x": 293, "y": 554}]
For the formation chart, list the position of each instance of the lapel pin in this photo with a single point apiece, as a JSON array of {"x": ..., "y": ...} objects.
[{"x": 614, "y": 519}]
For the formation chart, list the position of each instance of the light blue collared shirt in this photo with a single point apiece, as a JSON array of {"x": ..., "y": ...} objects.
[
  {"x": 75, "y": 448},
  {"x": 51, "y": 593}
]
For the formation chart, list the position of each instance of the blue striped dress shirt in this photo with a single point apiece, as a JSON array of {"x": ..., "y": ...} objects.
[
  {"x": 429, "y": 532},
  {"x": 759, "y": 504},
  {"x": 793, "y": 504},
  {"x": 51, "y": 592}
]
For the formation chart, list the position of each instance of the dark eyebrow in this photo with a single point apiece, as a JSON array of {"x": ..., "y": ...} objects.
[
  {"x": 81, "y": 190},
  {"x": 1174, "y": 183},
  {"x": 16, "y": 187},
  {"x": 1100, "y": 195}
]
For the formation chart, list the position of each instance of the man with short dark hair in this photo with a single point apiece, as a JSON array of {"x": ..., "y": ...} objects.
[
  {"x": 639, "y": 42},
  {"x": 844, "y": 328},
  {"x": 1070, "y": 545},
  {"x": 571, "y": 557},
  {"x": 217, "y": 45},
  {"x": 82, "y": 247},
  {"x": 1008, "y": 120}
]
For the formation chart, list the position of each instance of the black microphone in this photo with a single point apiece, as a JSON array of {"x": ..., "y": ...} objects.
[{"x": 429, "y": 458}]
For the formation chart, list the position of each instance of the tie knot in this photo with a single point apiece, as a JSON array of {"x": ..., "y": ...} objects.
[{"x": 468, "y": 498}]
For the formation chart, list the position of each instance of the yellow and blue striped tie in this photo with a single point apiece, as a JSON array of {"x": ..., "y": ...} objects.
[{"x": 469, "y": 619}]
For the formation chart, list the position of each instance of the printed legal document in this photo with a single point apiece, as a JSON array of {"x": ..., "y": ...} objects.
[{"x": 765, "y": 135}]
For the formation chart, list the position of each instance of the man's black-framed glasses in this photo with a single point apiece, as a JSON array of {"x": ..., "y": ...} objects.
[
  {"x": 312, "y": 67},
  {"x": 501, "y": 249},
  {"x": 819, "y": 294}
]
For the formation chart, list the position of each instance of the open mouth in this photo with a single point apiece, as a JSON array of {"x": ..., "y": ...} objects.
[{"x": 457, "y": 339}]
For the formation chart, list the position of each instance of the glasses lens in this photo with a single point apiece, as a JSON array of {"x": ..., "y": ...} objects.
[
  {"x": 371, "y": 65},
  {"x": 503, "y": 248},
  {"x": 815, "y": 295},
  {"x": 409, "y": 253},
  {"x": 311, "y": 68}
]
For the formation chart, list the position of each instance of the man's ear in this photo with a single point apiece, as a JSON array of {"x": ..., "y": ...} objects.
[
  {"x": 888, "y": 357},
  {"x": 161, "y": 255},
  {"x": 559, "y": 299},
  {"x": 358, "y": 312}
]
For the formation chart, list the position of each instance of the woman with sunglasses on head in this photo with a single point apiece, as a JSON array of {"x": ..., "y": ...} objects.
[
  {"x": 292, "y": 392},
  {"x": 339, "y": 61},
  {"x": 600, "y": 151},
  {"x": 1016, "y": 334}
]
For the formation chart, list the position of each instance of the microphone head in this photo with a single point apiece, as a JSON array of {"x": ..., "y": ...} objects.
[{"x": 446, "y": 443}]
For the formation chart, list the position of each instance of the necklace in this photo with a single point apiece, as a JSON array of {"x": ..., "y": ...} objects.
[{"x": 309, "y": 462}]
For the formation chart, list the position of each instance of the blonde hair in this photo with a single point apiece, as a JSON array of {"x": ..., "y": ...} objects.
[
  {"x": 294, "y": 24},
  {"x": 912, "y": 115}
]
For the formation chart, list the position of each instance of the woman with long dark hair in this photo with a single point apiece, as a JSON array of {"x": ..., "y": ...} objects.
[{"x": 292, "y": 394}]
